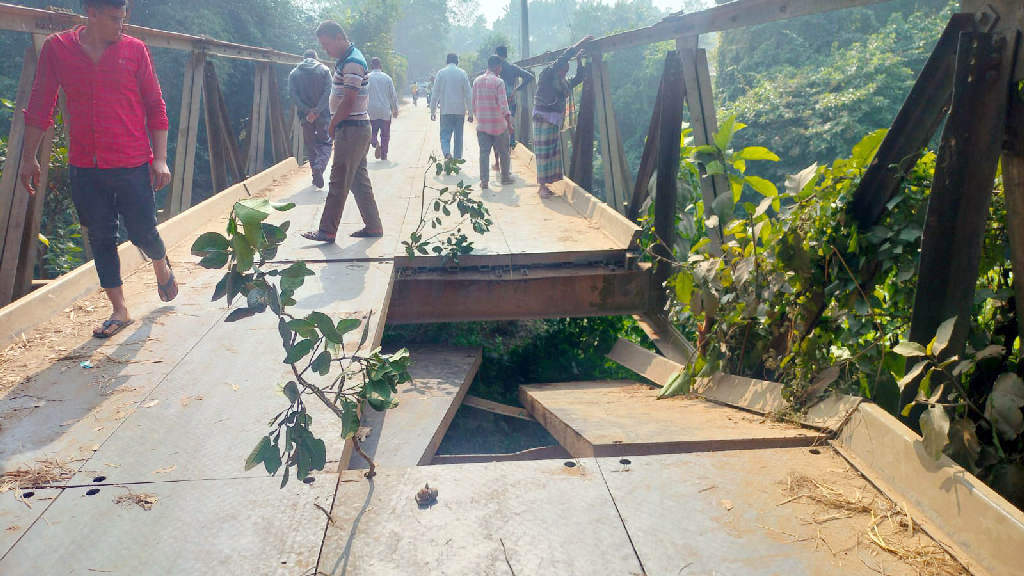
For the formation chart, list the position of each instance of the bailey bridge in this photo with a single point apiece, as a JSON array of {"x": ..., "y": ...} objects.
[{"x": 126, "y": 456}]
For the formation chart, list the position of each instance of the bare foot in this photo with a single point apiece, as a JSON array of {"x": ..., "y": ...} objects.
[{"x": 162, "y": 270}]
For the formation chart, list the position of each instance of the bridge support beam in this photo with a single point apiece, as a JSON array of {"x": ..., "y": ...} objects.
[
  {"x": 180, "y": 198},
  {"x": 556, "y": 293},
  {"x": 256, "y": 134},
  {"x": 613, "y": 156}
]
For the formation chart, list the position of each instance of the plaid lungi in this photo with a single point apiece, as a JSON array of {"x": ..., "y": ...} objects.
[{"x": 548, "y": 150}]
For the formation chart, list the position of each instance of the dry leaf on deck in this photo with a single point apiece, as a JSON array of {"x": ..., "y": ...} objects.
[
  {"x": 170, "y": 468},
  {"x": 727, "y": 504},
  {"x": 151, "y": 403}
]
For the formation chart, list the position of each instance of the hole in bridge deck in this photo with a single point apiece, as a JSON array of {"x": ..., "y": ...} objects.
[
  {"x": 625, "y": 461},
  {"x": 814, "y": 451},
  {"x": 99, "y": 479},
  {"x": 570, "y": 464},
  {"x": 92, "y": 491},
  {"x": 308, "y": 480},
  {"x": 27, "y": 495}
]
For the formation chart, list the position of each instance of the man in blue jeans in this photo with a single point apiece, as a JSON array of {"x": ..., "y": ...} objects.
[
  {"x": 454, "y": 96},
  {"x": 118, "y": 149}
]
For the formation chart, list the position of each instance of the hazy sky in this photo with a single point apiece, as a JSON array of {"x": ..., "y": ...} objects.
[{"x": 494, "y": 9}]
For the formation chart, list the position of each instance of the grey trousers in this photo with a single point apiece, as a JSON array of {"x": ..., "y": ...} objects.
[
  {"x": 500, "y": 143},
  {"x": 348, "y": 172}
]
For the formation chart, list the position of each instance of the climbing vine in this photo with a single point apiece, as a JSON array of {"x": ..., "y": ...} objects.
[
  {"x": 448, "y": 241},
  {"x": 323, "y": 365},
  {"x": 796, "y": 292}
]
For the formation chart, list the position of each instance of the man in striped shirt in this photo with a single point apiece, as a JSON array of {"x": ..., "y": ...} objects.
[
  {"x": 493, "y": 120},
  {"x": 350, "y": 130}
]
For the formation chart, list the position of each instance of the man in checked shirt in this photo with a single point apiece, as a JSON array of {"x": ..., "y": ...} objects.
[
  {"x": 493, "y": 120},
  {"x": 118, "y": 142}
]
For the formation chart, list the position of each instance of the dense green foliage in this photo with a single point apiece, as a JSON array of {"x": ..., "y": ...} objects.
[
  {"x": 798, "y": 294},
  {"x": 844, "y": 74}
]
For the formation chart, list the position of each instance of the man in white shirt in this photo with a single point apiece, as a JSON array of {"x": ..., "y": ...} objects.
[
  {"x": 383, "y": 107},
  {"x": 454, "y": 96}
]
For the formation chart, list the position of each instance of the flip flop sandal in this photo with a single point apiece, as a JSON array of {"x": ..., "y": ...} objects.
[
  {"x": 318, "y": 236},
  {"x": 363, "y": 233},
  {"x": 118, "y": 325},
  {"x": 168, "y": 290}
]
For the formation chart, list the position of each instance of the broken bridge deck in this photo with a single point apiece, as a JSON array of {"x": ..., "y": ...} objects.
[{"x": 170, "y": 406}]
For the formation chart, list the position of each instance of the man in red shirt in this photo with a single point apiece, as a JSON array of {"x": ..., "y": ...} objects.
[{"x": 118, "y": 142}]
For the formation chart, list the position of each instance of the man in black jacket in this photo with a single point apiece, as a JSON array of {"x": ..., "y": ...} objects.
[{"x": 309, "y": 86}]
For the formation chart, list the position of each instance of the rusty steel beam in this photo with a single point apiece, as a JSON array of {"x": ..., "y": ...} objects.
[
  {"x": 34, "y": 21},
  {"x": 557, "y": 293},
  {"x": 737, "y": 14},
  {"x": 965, "y": 171}
]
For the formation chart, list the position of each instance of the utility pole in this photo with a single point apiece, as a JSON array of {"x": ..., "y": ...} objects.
[{"x": 524, "y": 30}]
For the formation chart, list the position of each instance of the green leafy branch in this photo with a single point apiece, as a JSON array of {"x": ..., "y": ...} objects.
[
  {"x": 449, "y": 242},
  {"x": 314, "y": 345}
]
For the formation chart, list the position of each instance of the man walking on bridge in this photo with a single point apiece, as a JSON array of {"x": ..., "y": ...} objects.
[
  {"x": 383, "y": 107},
  {"x": 350, "y": 129},
  {"x": 454, "y": 96},
  {"x": 493, "y": 120},
  {"x": 118, "y": 142},
  {"x": 309, "y": 86},
  {"x": 510, "y": 73}
]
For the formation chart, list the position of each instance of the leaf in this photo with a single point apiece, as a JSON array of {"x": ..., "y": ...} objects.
[
  {"x": 322, "y": 363},
  {"x": 913, "y": 374},
  {"x": 942, "y": 336},
  {"x": 272, "y": 461},
  {"x": 684, "y": 286},
  {"x": 909, "y": 349},
  {"x": 240, "y": 313},
  {"x": 725, "y": 131},
  {"x": 299, "y": 351},
  {"x": 243, "y": 253},
  {"x": 763, "y": 207},
  {"x": 990, "y": 351},
  {"x": 166, "y": 469},
  {"x": 305, "y": 328},
  {"x": 1004, "y": 403},
  {"x": 214, "y": 260},
  {"x": 282, "y": 207},
  {"x": 762, "y": 186},
  {"x": 964, "y": 446},
  {"x": 258, "y": 454},
  {"x": 291, "y": 391},
  {"x": 934, "y": 430},
  {"x": 714, "y": 168},
  {"x": 327, "y": 328},
  {"x": 151, "y": 403},
  {"x": 297, "y": 270},
  {"x": 865, "y": 150},
  {"x": 210, "y": 242},
  {"x": 800, "y": 181},
  {"x": 252, "y": 211},
  {"x": 273, "y": 234},
  {"x": 349, "y": 419},
  {"x": 757, "y": 153}
]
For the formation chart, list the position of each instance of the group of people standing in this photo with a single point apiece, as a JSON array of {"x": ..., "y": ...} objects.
[
  {"x": 491, "y": 100},
  {"x": 118, "y": 125}
]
